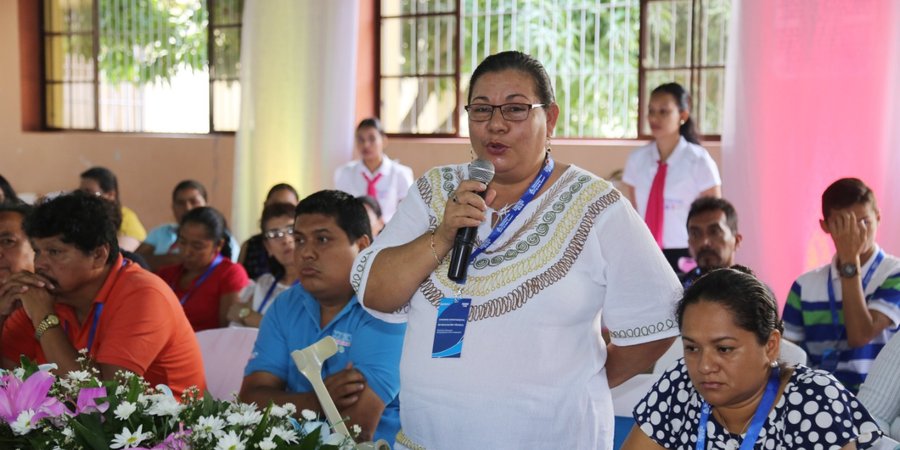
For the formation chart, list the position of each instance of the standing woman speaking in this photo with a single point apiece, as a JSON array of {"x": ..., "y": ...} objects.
[
  {"x": 556, "y": 247},
  {"x": 664, "y": 177}
]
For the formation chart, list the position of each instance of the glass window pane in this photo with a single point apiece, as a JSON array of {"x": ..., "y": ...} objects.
[
  {"x": 398, "y": 47},
  {"x": 226, "y": 105},
  {"x": 709, "y": 101},
  {"x": 418, "y": 105},
  {"x": 66, "y": 16},
  {"x": 715, "y": 32},
  {"x": 435, "y": 6},
  {"x": 397, "y": 7},
  {"x": 434, "y": 51},
  {"x": 226, "y": 53},
  {"x": 227, "y": 12},
  {"x": 70, "y": 105},
  {"x": 69, "y": 57},
  {"x": 668, "y": 34}
]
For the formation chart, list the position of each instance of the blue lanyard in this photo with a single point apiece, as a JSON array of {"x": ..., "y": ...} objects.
[
  {"x": 98, "y": 310},
  {"x": 527, "y": 197},
  {"x": 832, "y": 300},
  {"x": 200, "y": 280},
  {"x": 759, "y": 417},
  {"x": 269, "y": 295}
]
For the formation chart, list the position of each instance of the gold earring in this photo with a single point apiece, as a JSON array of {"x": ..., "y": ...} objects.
[
  {"x": 472, "y": 153},
  {"x": 547, "y": 146}
]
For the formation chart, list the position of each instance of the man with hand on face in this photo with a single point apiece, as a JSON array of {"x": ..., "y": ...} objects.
[
  {"x": 330, "y": 229},
  {"x": 713, "y": 236},
  {"x": 843, "y": 313},
  {"x": 84, "y": 296},
  {"x": 16, "y": 254}
]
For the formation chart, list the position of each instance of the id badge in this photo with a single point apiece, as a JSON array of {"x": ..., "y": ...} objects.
[
  {"x": 452, "y": 317},
  {"x": 830, "y": 360}
]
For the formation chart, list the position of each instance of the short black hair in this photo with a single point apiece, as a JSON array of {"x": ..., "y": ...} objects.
[
  {"x": 736, "y": 288},
  {"x": 844, "y": 193},
  {"x": 282, "y": 187},
  {"x": 189, "y": 184},
  {"x": 21, "y": 208},
  {"x": 371, "y": 122},
  {"x": 215, "y": 224},
  {"x": 706, "y": 204},
  {"x": 80, "y": 219},
  {"x": 371, "y": 202},
  {"x": 9, "y": 194},
  {"x": 105, "y": 178},
  {"x": 347, "y": 210},
  {"x": 515, "y": 60},
  {"x": 274, "y": 210}
]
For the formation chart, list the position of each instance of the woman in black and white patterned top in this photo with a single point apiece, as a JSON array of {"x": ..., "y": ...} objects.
[{"x": 730, "y": 383}]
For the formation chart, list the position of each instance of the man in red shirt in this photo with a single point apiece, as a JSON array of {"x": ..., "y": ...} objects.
[{"x": 84, "y": 295}]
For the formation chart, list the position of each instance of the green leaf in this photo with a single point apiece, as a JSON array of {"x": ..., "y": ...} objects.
[{"x": 89, "y": 430}]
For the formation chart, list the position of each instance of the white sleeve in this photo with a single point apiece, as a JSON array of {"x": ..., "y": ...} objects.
[
  {"x": 340, "y": 179},
  {"x": 411, "y": 221},
  {"x": 628, "y": 173},
  {"x": 641, "y": 288},
  {"x": 406, "y": 180},
  {"x": 705, "y": 171}
]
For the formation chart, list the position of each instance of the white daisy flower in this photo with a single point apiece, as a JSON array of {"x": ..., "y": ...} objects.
[
  {"x": 230, "y": 441},
  {"x": 209, "y": 426},
  {"x": 267, "y": 444},
  {"x": 286, "y": 435},
  {"x": 309, "y": 415},
  {"x": 127, "y": 439},
  {"x": 124, "y": 410},
  {"x": 24, "y": 422},
  {"x": 248, "y": 418}
]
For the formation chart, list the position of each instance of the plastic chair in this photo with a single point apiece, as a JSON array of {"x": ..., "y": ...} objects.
[{"x": 225, "y": 354}]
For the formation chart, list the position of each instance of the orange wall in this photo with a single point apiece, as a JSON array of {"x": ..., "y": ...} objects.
[{"x": 148, "y": 166}]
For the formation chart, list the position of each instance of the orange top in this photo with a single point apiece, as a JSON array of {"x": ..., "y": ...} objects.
[{"x": 141, "y": 327}]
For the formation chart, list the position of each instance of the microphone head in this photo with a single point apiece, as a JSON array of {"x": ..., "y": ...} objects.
[{"x": 481, "y": 170}]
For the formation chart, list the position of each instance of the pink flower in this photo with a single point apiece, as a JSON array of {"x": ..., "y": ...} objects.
[
  {"x": 175, "y": 441},
  {"x": 17, "y": 396},
  {"x": 87, "y": 401}
]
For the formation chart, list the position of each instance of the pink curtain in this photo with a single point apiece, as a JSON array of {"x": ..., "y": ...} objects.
[{"x": 812, "y": 95}]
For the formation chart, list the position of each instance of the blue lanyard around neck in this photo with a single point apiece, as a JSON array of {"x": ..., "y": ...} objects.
[
  {"x": 539, "y": 181},
  {"x": 98, "y": 311},
  {"x": 268, "y": 296},
  {"x": 759, "y": 417},
  {"x": 200, "y": 280},
  {"x": 832, "y": 300}
]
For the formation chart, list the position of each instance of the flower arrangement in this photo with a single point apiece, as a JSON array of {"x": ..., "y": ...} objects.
[{"x": 79, "y": 411}]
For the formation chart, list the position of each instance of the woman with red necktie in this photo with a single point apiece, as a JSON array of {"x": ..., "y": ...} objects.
[
  {"x": 374, "y": 174},
  {"x": 663, "y": 177}
]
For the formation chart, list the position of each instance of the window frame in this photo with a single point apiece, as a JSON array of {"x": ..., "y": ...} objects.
[
  {"x": 456, "y": 67},
  {"x": 695, "y": 70},
  {"x": 45, "y": 81}
]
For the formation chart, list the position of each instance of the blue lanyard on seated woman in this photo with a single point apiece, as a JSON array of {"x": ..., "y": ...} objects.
[
  {"x": 268, "y": 296},
  {"x": 200, "y": 280},
  {"x": 759, "y": 417},
  {"x": 526, "y": 198}
]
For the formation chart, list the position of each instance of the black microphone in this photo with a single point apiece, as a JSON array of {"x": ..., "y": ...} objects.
[{"x": 479, "y": 170}]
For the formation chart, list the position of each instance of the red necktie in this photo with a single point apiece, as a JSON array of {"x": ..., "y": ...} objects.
[
  {"x": 370, "y": 189},
  {"x": 656, "y": 203}
]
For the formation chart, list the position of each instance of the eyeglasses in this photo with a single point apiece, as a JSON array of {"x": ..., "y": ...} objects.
[
  {"x": 482, "y": 112},
  {"x": 279, "y": 233}
]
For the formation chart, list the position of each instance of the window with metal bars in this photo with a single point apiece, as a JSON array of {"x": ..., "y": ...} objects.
[
  {"x": 165, "y": 66},
  {"x": 603, "y": 56}
]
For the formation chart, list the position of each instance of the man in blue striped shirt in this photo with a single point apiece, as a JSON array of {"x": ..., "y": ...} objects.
[{"x": 843, "y": 313}]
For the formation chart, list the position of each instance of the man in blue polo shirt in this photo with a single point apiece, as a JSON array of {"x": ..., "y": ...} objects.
[
  {"x": 843, "y": 313},
  {"x": 330, "y": 229}
]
